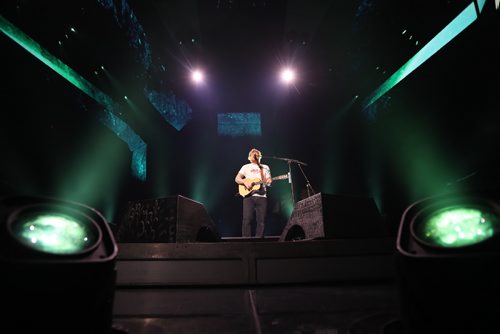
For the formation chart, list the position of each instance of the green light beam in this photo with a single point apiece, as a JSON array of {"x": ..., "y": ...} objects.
[
  {"x": 480, "y": 4},
  {"x": 92, "y": 177},
  {"x": 455, "y": 27},
  {"x": 124, "y": 132},
  {"x": 55, "y": 64}
]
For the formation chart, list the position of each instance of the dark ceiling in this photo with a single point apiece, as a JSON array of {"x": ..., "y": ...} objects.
[
  {"x": 352, "y": 45},
  {"x": 341, "y": 49}
]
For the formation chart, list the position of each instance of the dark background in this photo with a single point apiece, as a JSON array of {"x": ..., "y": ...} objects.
[{"x": 435, "y": 131}]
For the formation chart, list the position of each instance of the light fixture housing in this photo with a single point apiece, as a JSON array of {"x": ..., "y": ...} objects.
[
  {"x": 58, "y": 266},
  {"x": 448, "y": 253}
]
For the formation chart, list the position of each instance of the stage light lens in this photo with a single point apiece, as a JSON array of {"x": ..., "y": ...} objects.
[
  {"x": 55, "y": 233},
  {"x": 287, "y": 76},
  {"x": 454, "y": 227}
]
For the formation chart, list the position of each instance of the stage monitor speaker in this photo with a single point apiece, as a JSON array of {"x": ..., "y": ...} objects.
[
  {"x": 166, "y": 220},
  {"x": 327, "y": 216}
]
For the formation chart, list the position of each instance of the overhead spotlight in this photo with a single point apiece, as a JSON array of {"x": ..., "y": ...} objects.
[
  {"x": 448, "y": 252},
  {"x": 58, "y": 267},
  {"x": 197, "y": 76},
  {"x": 287, "y": 76}
]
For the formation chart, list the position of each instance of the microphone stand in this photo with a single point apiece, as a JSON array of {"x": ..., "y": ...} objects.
[
  {"x": 299, "y": 163},
  {"x": 290, "y": 181},
  {"x": 310, "y": 190}
]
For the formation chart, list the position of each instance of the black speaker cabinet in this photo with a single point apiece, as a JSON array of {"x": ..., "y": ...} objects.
[
  {"x": 334, "y": 216},
  {"x": 170, "y": 219}
]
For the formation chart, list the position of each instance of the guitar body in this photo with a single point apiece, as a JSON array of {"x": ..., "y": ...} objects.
[{"x": 253, "y": 185}]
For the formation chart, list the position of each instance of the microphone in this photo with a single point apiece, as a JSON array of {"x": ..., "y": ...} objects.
[{"x": 256, "y": 158}]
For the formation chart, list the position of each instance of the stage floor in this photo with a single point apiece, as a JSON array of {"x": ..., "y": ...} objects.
[{"x": 243, "y": 285}]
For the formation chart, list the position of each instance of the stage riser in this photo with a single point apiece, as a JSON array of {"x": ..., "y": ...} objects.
[{"x": 254, "y": 263}]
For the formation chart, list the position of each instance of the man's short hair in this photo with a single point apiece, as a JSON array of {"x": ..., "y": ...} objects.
[{"x": 252, "y": 152}]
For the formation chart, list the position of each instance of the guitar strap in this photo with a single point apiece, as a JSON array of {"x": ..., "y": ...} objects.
[{"x": 262, "y": 178}]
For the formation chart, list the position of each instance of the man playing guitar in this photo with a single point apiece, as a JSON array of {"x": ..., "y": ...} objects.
[{"x": 253, "y": 180}]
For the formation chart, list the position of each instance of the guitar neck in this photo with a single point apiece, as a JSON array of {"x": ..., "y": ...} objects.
[{"x": 273, "y": 178}]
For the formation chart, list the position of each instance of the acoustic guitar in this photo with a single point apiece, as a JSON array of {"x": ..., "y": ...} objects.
[{"x": 255, "y": 185}]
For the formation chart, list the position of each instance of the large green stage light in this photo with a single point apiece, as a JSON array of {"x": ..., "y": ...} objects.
[
  {"x": 54, "y": 233},
  {"x": 457, "y": 226},
  {"x": 448, "y": 253},
  {"x": 58, "y": 267}
]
